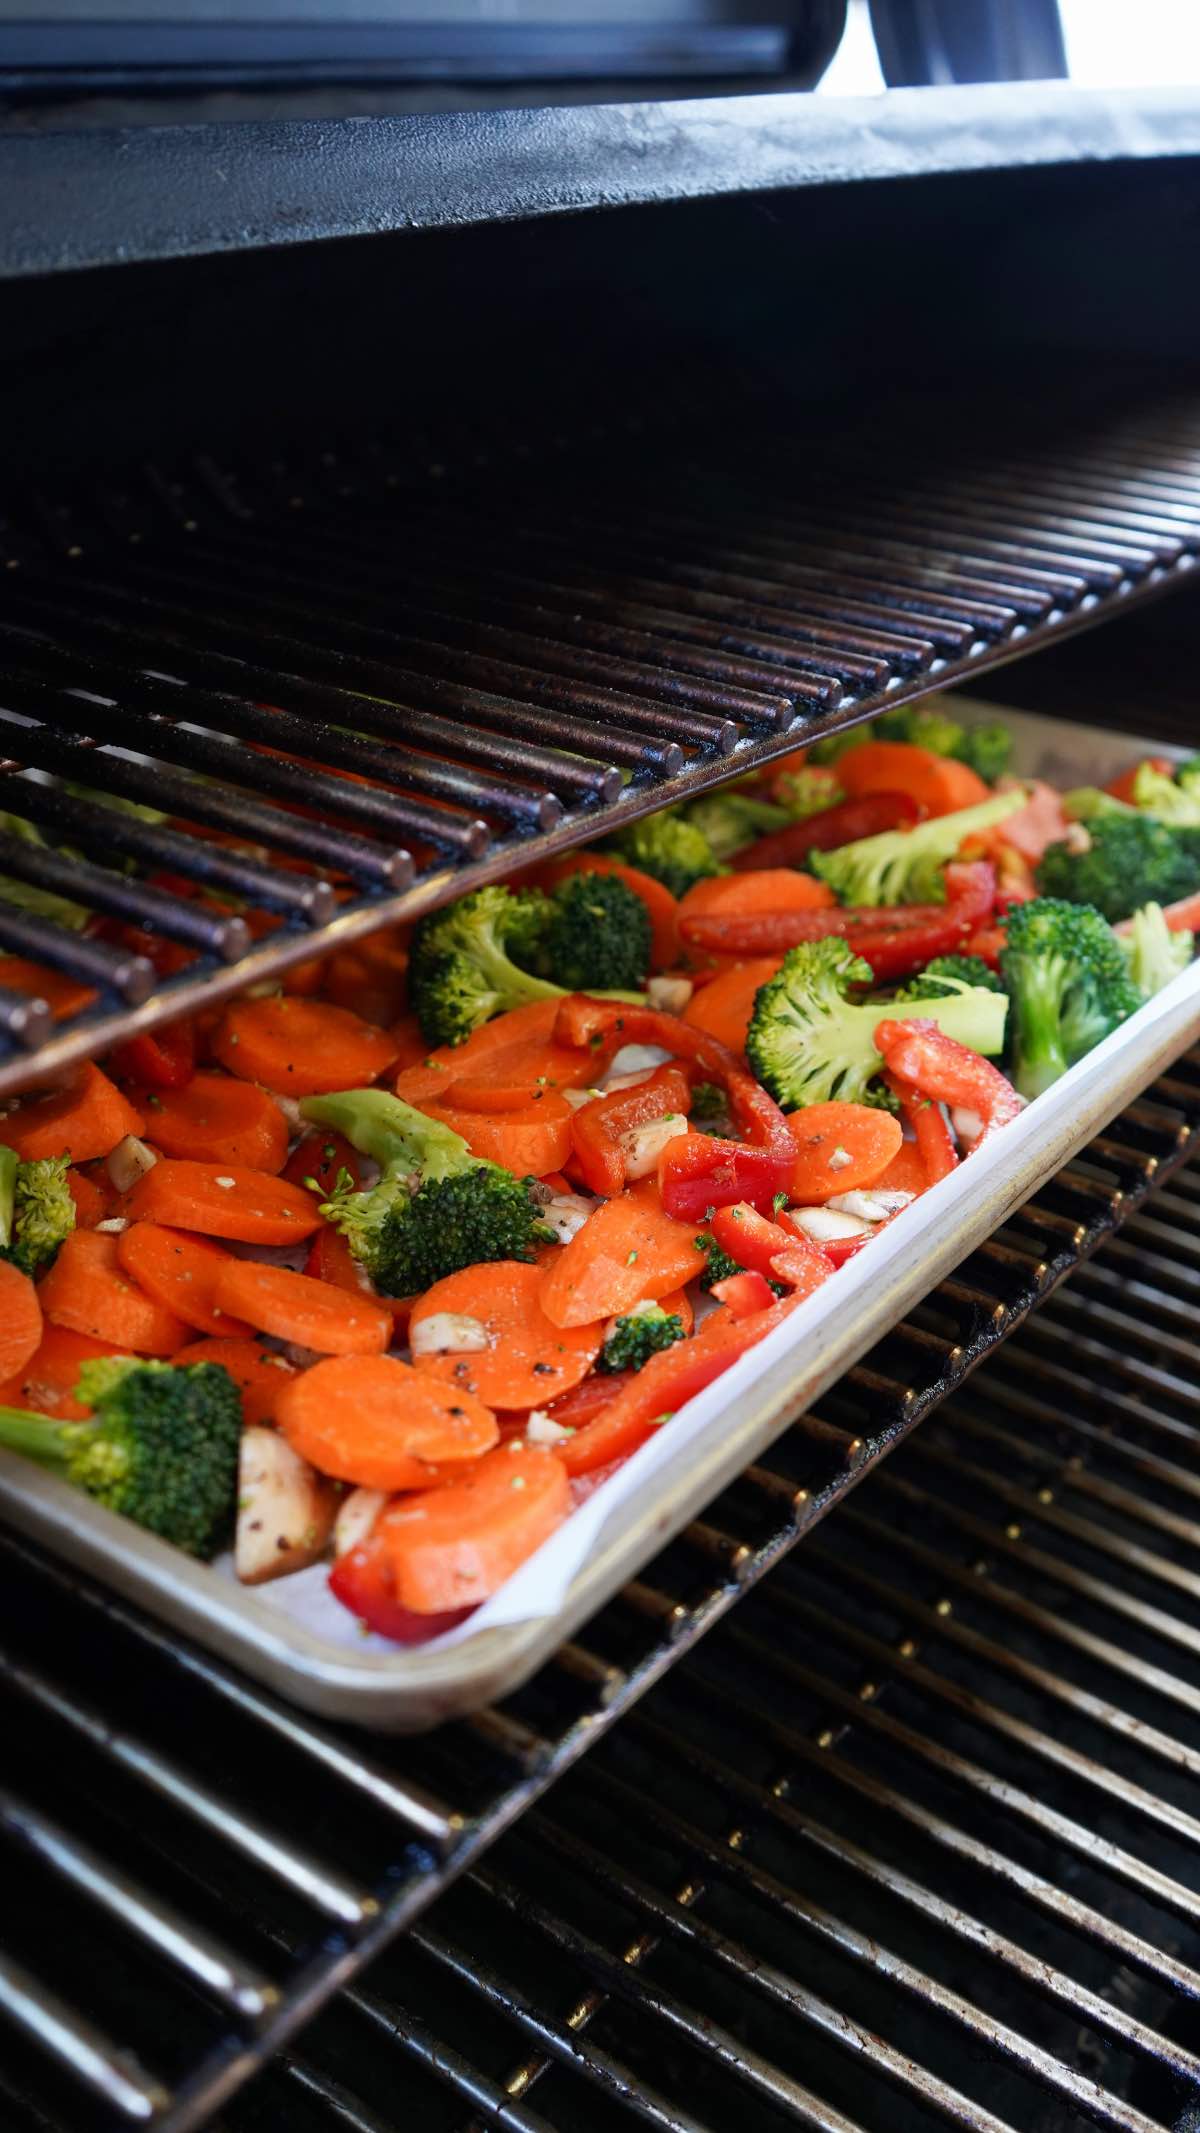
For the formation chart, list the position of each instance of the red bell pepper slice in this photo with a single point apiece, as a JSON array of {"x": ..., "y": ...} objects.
[
  {"x": 670, "y": 1378},
  {"x": 823, "y": 832},
  {"x": 777, "y": 1250},
  {"x": 935, "y": 1142},
  {"x": 697, "y": 1172},
  {"x": 895, "y": 939},
  {"x": 598, "y": 1129},
  {"x": 948, "y": 1072},
  {"x": 745, "y": 1293},
  {"x": 158, "y": 1058},
  {"x": 839, "y": 1249},
  {"x": 362, "y": 1580}
]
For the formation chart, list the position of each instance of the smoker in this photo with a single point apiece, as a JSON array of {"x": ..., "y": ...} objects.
[{"x": 541, "y": 462}]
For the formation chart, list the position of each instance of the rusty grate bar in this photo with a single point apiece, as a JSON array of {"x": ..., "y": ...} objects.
[
  {"x": 506, "y": 661},
  {"x": 238, "y": 1861}
]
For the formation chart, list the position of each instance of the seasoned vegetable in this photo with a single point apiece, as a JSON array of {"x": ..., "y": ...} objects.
[
  {"x": 1070, "y": 985},
  {"x": 638, "y": 1336},
  {"x": 36, "y": 1210},
  {"x": 161, "y": 1448},
  {"x": 1128, "y": 859},
  {"x": 597, "y": 936},
  {"x": 670, "y": 849},
  {"x": 1153, "y": 952},
  {"x": 905, "y": 866}
]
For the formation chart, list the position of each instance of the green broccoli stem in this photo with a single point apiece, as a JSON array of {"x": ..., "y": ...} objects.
[
  {"x": 1038, "y": 1047},
  {"x": 37, "y": 1436},
  {"x": 392, "y": 1133},
  {"x": 9, "y": 1164}
]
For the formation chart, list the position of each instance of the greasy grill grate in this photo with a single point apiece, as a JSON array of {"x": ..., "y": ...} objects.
[
  {"x": 192, "y": 1868},
  {"x": 506, "y": 661}
]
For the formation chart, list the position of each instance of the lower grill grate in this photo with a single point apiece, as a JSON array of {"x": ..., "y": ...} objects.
[
  {"x": 503, "y": 662},
  {"x": 193, "y": 1868},
  {"x": 909, "y": 1842}
]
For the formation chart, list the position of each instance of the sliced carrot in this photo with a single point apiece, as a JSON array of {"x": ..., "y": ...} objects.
[
  {"x": 20, "y": 1318},
  {"x": 91, "y": 1203},
  {"x": 371, "y": 977},
  {"x": 661, "y": 905},
  {"x": 224, "y": 1201},
  {"x": 216, "y": 1119},
  {"x": 300, "y": 1047},
  {"x": 724, "y": 1006},
  {"x": 627, "y": 1250},
  {"x": 261, "y": 1376},
  {"x": 63, "y": 996},
  {"x": 179, "y": 1270},
  {"x": 88, "y": 1290},
  {"x": 331, "y": 1259},
  {"x": 526, "y": 1029},
  {"x": 294, "y": 1307},
  {"x": 905, "y": 1172},
  {"x": 47, "y": 1382},
  {"x": 306, "y": 978},
  {"x": 85, "y": 1119},
  {"x": 839, "y": 1147},
  {"x": 454, "y": 1546},
  {"x": 769, "y": 889},
  {"x": 937, "y": 783},
  {"x": 381, "y": 1424},
  {"x": 411, "y": 1048},
  {"x": 529, "y": 1140},
  {"x": 528, "y": 1359}
]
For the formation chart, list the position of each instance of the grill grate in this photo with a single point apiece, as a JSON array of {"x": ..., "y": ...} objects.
[
  {"x": 193, "y": 1868},
  {"x": 505, "y": 662}
]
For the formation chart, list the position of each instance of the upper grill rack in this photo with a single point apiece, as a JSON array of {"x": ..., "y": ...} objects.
[
  {"x": 193, "y": 1867},
  {"x": 502, "y": 665}
]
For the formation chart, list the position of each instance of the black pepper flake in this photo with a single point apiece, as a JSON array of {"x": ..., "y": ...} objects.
[{"x": 544, "y": 1370}]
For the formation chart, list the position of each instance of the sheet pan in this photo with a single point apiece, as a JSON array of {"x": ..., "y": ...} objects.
[{"x": 294, "y": 1637}]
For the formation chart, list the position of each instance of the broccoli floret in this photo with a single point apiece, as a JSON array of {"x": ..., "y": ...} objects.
[
  {"x": 1084, "y": 802},
  {"x": 1131, "y": 859},
  {"x": 1154, "y": 954},
  {"x": 732, "y": 820},
  {"x": 1188, "y": 774},
  {"x": 161, "y": 1446},
  {"x": 1168, "y": 799},
  {"x": 36, "y": 1210},
  {"x": 808, "y": 1043},
  {"x": 674, "y": 851},
  {"x": 960, "y": 969},
  {"x": 905, "y": 866},
  {"x": 806, "y": 792},
  {"x": 1069, "y": 983},
  {"x": 597, "y": 936},
  {"x": 923, "y": 726},
  {"x": 436, "y": 1207},
  {"x": 636, "y": 1338},
  {"x": 462, "y": 969},
  {"x": 986, "y": 749}
]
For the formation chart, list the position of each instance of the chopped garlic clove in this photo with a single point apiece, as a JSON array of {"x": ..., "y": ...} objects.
[
  {"x": 827, "y": 1225},
  {"x": 669, "y": 996},
  {"x": 358, "y": 1513},
  {"x": 967, "y": 1124},
  {"x": 129, "y": 1161},
  {"x": 645, "y": 1144},
  {"x": 566, "y": 1214},
  {"x": 870, "y": 1206},
  {"x": 541, "y": 1428},
  {"x": 447, "y": 1333}
]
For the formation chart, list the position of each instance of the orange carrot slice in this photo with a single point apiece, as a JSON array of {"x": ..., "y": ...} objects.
[
  {"x": 83, "y": 1120},
  {"x": 224, "y": 1201},
  {"x": 769, "y": 889},
  {"x": 92, "y": 1204},
  {"x": 87, "y": 1290},
  {"x": 906, "y": 1172},
  {"x": 529, "y": 1139},
  {"x": 626, "y": 1251},
  {"x": 294, "y": 1307},
  {"x": 261, "y": 1376},
  {"x": 724, "y": 1006},
  {"x": 47, "y": 1382},
  {"x": 20, "y": 1319},
  {"x": 300, "y": 1047},
  {"x": 528, "y": 1360},
  {"x": 180, "y": 1271},
  {"x": 454, "y": 1546},
  {"x": 375, "y": 1421},
  {"x": 64, "y": 996},
  {"x": 218, "y": 1120},
  {"x": 937, "y": 783},
  {"x": 840, "y": 1146},
  {"x": 527, "y": 1031}
]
